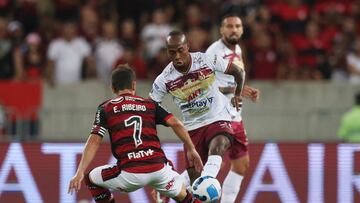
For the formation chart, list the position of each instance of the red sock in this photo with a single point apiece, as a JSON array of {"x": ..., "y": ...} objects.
[
  {"x": 100, "y": 194},
  {"x": 189, "y": 198}
]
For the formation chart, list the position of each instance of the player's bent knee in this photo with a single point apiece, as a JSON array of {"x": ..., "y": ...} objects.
[{"x": 218, "y": 145}]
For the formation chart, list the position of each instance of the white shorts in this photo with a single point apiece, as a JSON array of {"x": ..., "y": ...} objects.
[{"x": 166, "y": 181}]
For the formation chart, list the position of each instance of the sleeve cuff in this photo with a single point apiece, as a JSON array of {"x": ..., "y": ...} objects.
[{"x": 168, "y": 117}]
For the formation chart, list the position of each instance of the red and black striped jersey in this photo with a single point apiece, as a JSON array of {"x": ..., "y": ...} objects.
[{"x": 131, "y": 123}]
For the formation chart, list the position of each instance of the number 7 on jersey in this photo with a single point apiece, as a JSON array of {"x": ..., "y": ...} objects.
[{"x": 137, "y": 122}]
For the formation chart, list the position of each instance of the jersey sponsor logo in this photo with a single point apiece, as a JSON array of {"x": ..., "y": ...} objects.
[
  {"x": 190, "y": 86},
  {"x": 170, "y": 184},
  {"x": 197, "y": 108},
  {"x": 194, "y": 95},
  {"x": 140, "y": 154}
]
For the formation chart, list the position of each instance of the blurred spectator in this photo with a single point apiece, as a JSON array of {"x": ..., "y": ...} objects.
[
  {"x": 158, "y": 63},
  {"x": 311, "y": 49},
  {"x": 195, "y": 18},
  {"x": 353, "y": 63},
  {"x": 32, "y": 58},
  {"x": 6, "y": 58},
  {"x": 16, "y": 34},
  {"x": 263, "y": 57},
  {"x": 293, "y": 16},
  {"x": 131, "y": 57},
  {"x": 341, "y": 45},
  {"x": 128, "y": 32},
  {"x": 289, "y": 64},
  {"x": 107, "y": 51},
  {"x": 66, "y": 56},
  {"x": 349, "y": 130},
  {"x": 322, "y": 32},
  {"x": 242, "y": 7},
  {"x": 198, "y": 39},
  {"x": 66, "y": 10},
  {"x": 48, "y": 29},
  {"x": 89, "y": 24},
  {"x": 6, "y": 7},
  {"x": 26, "y": 13},
  {"x": 153, "y": 34}
]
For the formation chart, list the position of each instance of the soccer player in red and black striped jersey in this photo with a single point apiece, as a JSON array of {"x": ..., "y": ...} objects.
[{"x": 131, "y": 123}]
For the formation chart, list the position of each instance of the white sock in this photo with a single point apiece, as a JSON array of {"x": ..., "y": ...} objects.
[
  {"x": 186, "y": 178},
  {"x": 231, "y": 187},
  {"x": 212, "y": 166}
]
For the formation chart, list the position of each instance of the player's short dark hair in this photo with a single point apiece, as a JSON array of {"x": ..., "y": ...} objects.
[
  {"x": 176, "y": 33},
  {"x": 122, "y": 77},
  {"x": 357, "y": 98},
  {"x": 228, "y": 15}
]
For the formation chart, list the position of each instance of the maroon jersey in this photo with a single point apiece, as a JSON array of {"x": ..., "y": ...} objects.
[{"x": 131, "y": 123}]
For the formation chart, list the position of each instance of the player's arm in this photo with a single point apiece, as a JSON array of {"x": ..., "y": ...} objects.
[
  {"x": 183, "y": 135},
  {"x": 251, "y": 93},
  {"x": 90, "y": 149},
  {"x": 237, "y": 70}
]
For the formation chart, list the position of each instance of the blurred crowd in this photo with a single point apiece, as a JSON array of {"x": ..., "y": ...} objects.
[{"x": 68, "y": 41}]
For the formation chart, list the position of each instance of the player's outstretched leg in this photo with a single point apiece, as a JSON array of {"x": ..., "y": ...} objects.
[
  {"x": 100, "y": 194},
  {"x": 217, "y": 148},
  {"x": 232, "y": 182}
]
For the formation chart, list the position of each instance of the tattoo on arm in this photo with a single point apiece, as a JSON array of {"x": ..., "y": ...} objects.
[{"x": 239, "y": 75}]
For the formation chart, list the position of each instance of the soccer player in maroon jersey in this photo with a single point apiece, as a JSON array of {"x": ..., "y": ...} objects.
[
  {"x": 190, "y": 79},
  {"x": 228, "y": 47},
  {"x": 131, "y": 123}
]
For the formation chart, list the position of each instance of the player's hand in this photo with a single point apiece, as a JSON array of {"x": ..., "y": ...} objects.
[
  {"x": 251, "y": 93},
  {"x": 195, "y": 160},
  {"x": 236, "y": 101},
  {"x": 75, "y": 183}
]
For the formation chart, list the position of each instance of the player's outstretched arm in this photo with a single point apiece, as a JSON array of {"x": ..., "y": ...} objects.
[
  {"x": 90, "y": 149},
  {"x": 239, "y": 74},
  {"x": 181, "y": 132}
]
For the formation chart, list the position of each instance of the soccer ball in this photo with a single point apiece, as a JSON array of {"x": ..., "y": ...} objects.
[{"x": 206, "y": 189}]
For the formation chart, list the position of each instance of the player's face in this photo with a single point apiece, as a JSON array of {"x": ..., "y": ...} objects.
[
  {"x": 231, "y": 30},
  {"x": 178, "y": 53}
]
